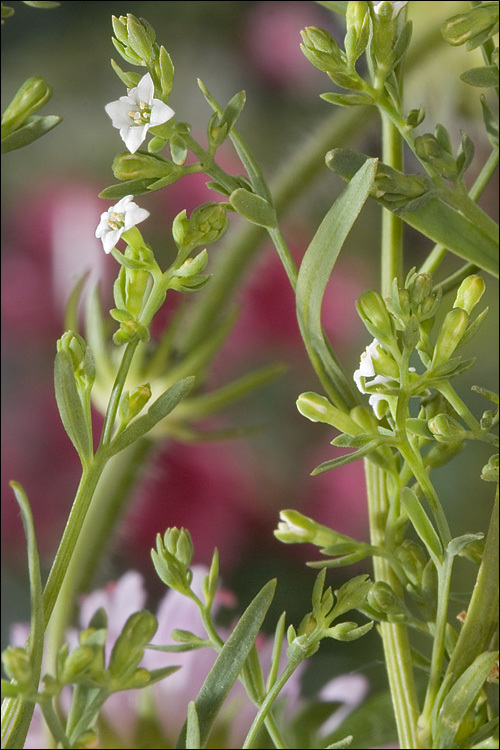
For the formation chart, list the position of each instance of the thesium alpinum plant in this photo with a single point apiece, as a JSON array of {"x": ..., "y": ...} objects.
[{"x": 117, "y": 680}]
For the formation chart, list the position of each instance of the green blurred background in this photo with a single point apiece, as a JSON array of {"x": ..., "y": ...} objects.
[{"x": 233, "y": 46}]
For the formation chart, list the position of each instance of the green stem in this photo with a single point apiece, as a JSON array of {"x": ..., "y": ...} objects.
[
  {"x": 438, "y": 652},
  {"x": 117, "y": 391},
  {"x": 54, "y": 724},
  {"x": 414, "y": 461},
  {"x": 218, "y": 643},
  {"x": 456, "y": 402},
  {"x": 394, "y": 636},
  {"x": 266, "y": 705},
  {"x": 392, "y": 225}
]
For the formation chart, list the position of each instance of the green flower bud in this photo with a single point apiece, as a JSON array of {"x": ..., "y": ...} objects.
[
  {"x": 129, "y": 647},
  {"x": 192, "y": 266},
  {"x": 17, "y": 665},
  {"x": 141, "y": 37},
  {"x": 373, "y": 312},
  {"x": 139, "y": 166},
  {"x": 207, "y": 224},
  {"x": 32, "y": 95},
  {"x": 172, "y": 558},
  {"x": 469, "y": 293},
  {"x": 321, "y": 50},
  {"x": 81, "y": 357},
  {"x": 450, "y": 335},
  {"x": 129, "y": 328},
  {"x": 294, "y": 528},
  {"x": 131, "y": 404},
  {"x": 120, "y": 28},
  {"x": 474, "y": 25},
  {"x": 490, "y": 470},
  {"x": 446, "y": 429},
  {"x": 428, "y": 149},
  {"x": 385, "y": 602},
  {"x": 358, "y": 29},
  {"x": 77, "y": 664},
  {"x": 413, "y": 559},
  {"x": 319, "y": 409}
]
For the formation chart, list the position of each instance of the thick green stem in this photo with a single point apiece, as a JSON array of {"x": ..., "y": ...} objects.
[
  {"x": 394, "y": 636},
  {"x": 392, "y": 225}
]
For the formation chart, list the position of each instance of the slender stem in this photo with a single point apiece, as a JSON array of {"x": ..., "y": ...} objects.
[
  {"x": 456, "y": 402},
  {"x": 392, "y": 225},
  {"x": 267, "y": 704},
  {"x": 54, "y": 724},
  {"x": 285, "y": 256},
  {"x": 414, "y": 461},
  {"x": 394, "y": 636},
  {"x": 117, "y": 391},
  {"x": 438, "y": 651}
]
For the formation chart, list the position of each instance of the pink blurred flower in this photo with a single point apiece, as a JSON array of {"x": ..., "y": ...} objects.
[{"x": 271, "y": 40}]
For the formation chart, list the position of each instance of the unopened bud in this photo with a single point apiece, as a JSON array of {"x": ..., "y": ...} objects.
[
  {"x": 319, "y": 409},
  {"x": 373, "y": 312},
  {"x": 469, "y": 293},
  {"x": 129, "y": 647},
  {"x": 450, "y": 335},
  {"x": 30, "y": 97},
  {"x": 139, "y": 166},
  {"x": 17, "y": 665},
  {"x": 464, "y": 27},
  {"x": 446, "y": 429},
  {"x": 428, "y": 148},
  {"x": 295, "y": 528}
]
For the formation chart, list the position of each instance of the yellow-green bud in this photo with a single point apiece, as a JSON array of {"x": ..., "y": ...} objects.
[
  {"x": 358, "y": 29},
  {"x": 129, "y": 647},
  {"x": 31, "y": 96},
  {"x": 139, "y": 166},
  {"x": 373, "y": 312},
  {"x": 464, "y": 27},
  {"x": 81, "y": 356},
  {"x": 193, "y": 266},
  {"x": 141, "y": 37},
  {"x": 446, "y": 429},
  {"x": 428, "y": 149},
  {"x": 17, "y": 665},
  {"x": 295, "y": 528},
  {"x": 412, "y": 557},
  {"x": 384, "y": 601},
  {"x": 469, "y": 293},
  {"x": 77, "y": 664},
  {"x": 321, "y": 49},
  {"x": 319, "y": 409},
  {"x": 450, "y": 335},
  {"x": 120, "y": 28}
]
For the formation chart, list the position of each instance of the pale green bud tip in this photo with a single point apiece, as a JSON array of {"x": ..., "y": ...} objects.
[
  {"x": 446, "y": 429},
  {"x": 469, "y": 293},
  {"x": 134, "y": 166},
  {"x": 319, "y": 409},
  {"x": 17, "y": 665},
  {"x": 295, "y": 528},
  {"x": 178, "y": 543},
  {"x": 464, "y": 27}
]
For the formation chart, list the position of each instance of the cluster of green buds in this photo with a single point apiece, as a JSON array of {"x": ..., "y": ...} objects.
[
  {"x": 435, "y": 149},
  {"x": 377, "y": 29},
  {"x": 20, "y": 126},
  {"x": 135, "y": 41},
  {"x": 172, "y": 558},
  {"x": 85, "y": 668},
  {"x": 327, "y": 607}
]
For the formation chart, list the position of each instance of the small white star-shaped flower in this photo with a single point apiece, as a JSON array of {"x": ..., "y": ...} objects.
[
  {"x": 135, "y": 113},
  {"x": 118, "y": 219},
  {"x": 367, "y": 370}
]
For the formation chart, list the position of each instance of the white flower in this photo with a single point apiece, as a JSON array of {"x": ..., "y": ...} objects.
[
  {"x": 118, "y": 219},
  {"x": 367, "y": 370},
  {"x": 135, "y": 113},
  {"x": 396, "y": 6}
]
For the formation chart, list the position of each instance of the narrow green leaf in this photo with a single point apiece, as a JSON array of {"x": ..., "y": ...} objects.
[
  {"x": 193, "y": 728},
  {"x": 459, "y": 543},
  {"x": 313, "y": 276},
  {"x": 70, "y": 406},
  {"x": 71, "y": 309},
  {"x": 229, "y": 664},
  {"x": 233, "y": 110},
  {"x": 346, "y": 459},
  {"x": 33, "y": 128},
  {"x": 129, "y": 187},
  {"x": 461, "y": 697},
  {"x": 421, "y": 523},
  {"x": 347, "y": 100},
  {"x": 163, "y": 405},
  {"x": 21, "y": 712},
  {"x": 484, "y": 77}
]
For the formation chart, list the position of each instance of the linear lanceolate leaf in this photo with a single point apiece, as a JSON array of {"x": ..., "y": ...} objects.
[
  {"x": 461, "y": 697},
  {"x": 70, "y": 406},
  {"x": 229, "y": 664},
  {"x": 34, "y": 127},
  {"x": 313, "y": 275},
  {"x": 163, "y": 405},
  {"x": 421, "y": 523}
]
